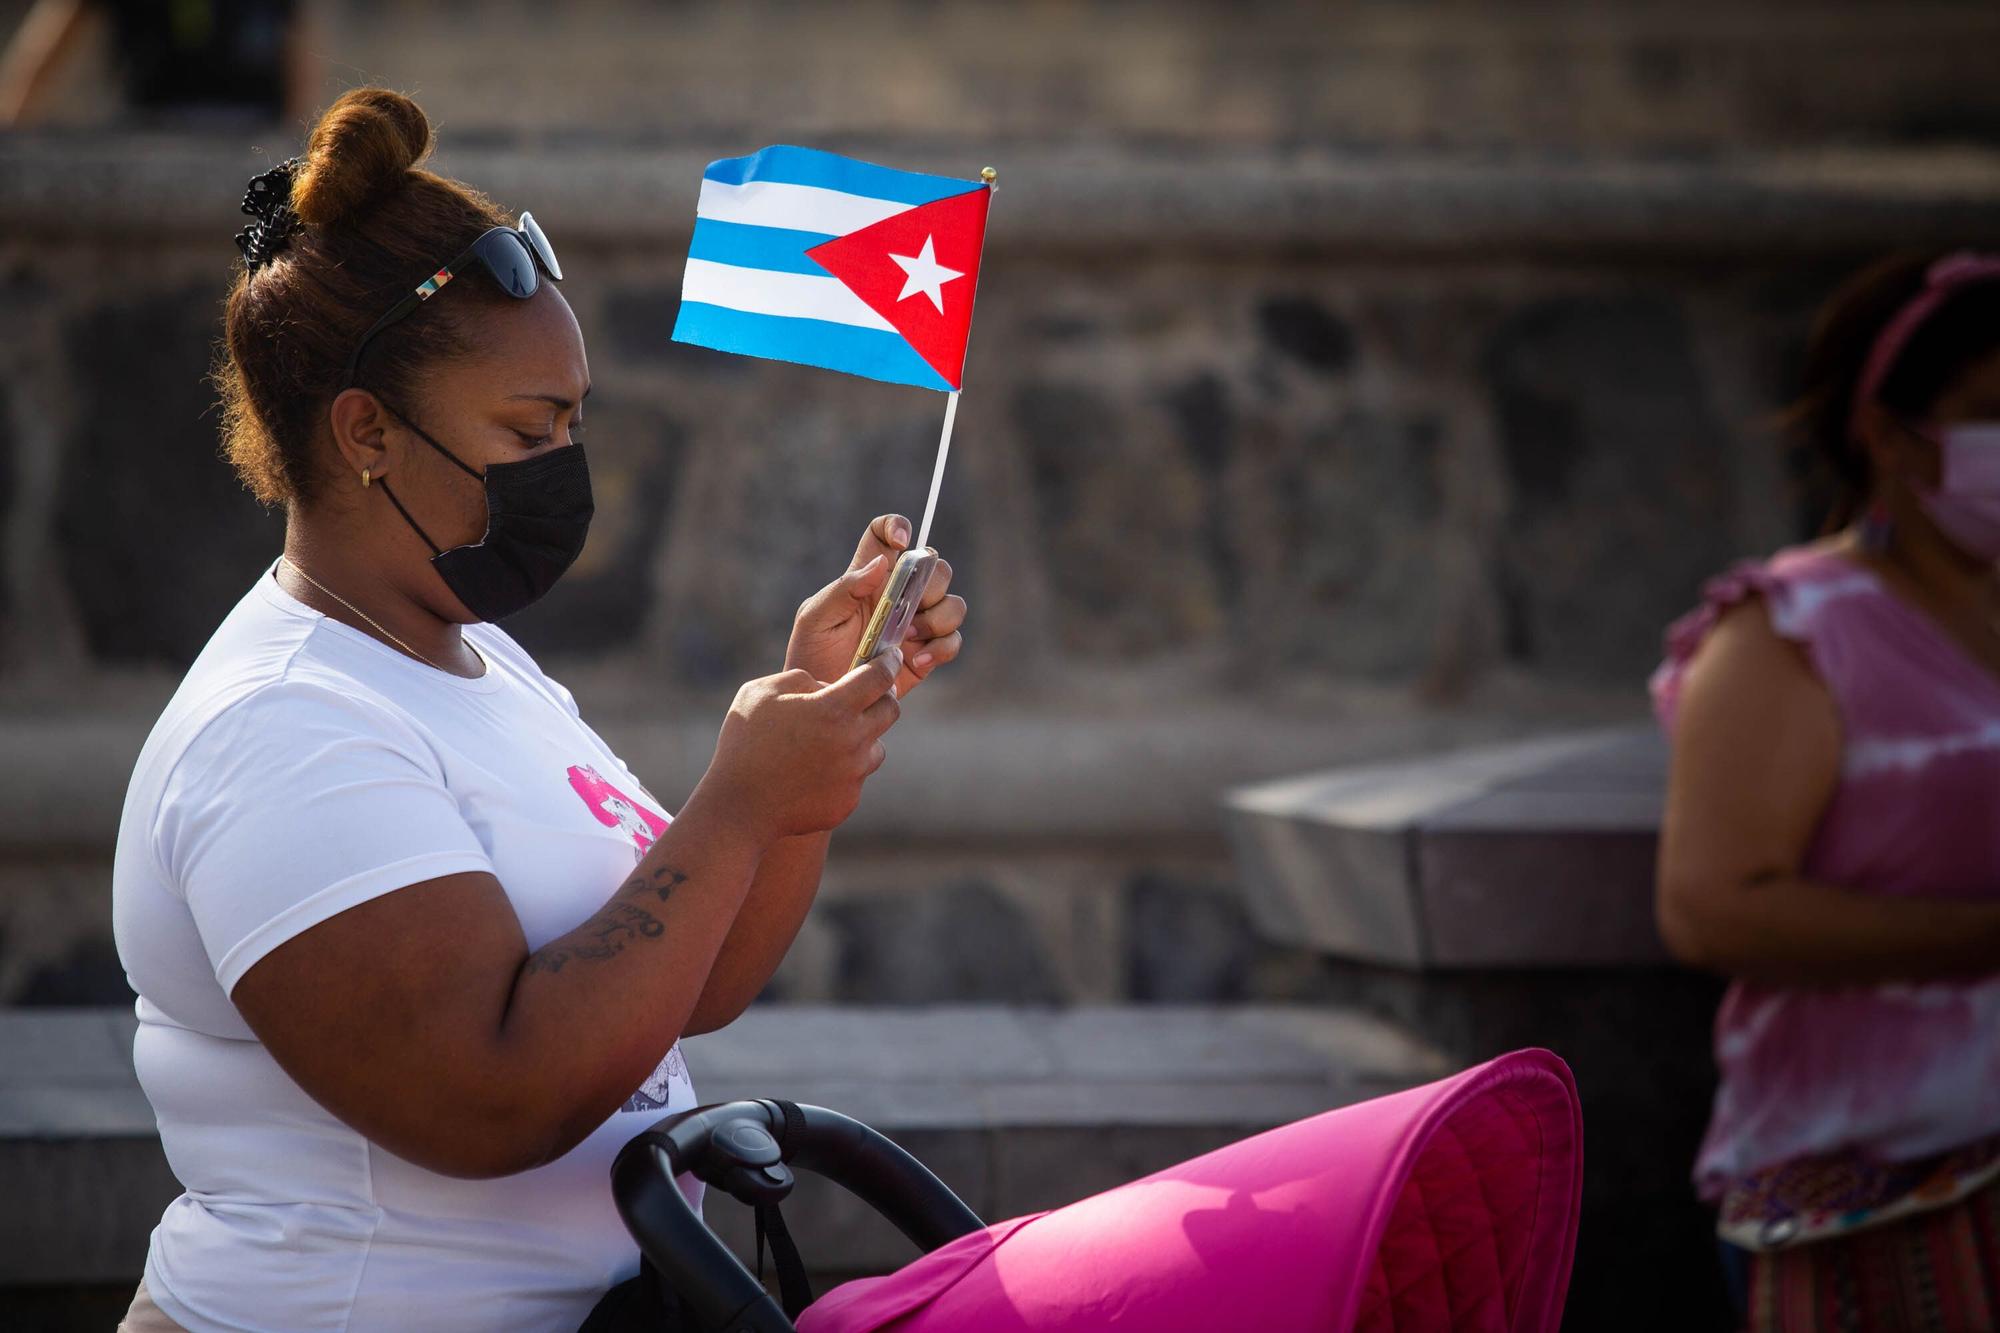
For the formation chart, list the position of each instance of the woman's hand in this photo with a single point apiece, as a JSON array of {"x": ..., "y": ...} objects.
[
  {"x": 794, "y": 753},
  {"x": 830, "y": 623}
]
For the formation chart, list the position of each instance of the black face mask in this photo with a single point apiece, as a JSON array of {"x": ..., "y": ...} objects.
[{"x": 537, "y": 514}]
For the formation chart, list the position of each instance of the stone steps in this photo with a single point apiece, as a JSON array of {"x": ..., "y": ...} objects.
[
  {"x": 1088, "y": 884},
  {"x": 1016, "y": 1109},
  {"x": 1135, "y": 198},
  {"x": 1572, "y": 72},
  {"x": 955, "y": 772},
  {"x": 1569, "y": 72}
]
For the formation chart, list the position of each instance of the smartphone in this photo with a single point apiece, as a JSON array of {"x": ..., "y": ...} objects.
[{"x": 898, "y": 605}]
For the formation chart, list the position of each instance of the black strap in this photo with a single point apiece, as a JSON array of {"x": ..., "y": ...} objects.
[
  {"x": 795, "y": 1124},
  {"x": 456, "y": 462},
  {"x": 794, "y": 1291},
  {"x": 435, "y": 548},
  {"x": 425, "y": 435}
]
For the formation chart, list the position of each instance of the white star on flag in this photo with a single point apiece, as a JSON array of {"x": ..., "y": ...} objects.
[{"x": 926, "y": 275}]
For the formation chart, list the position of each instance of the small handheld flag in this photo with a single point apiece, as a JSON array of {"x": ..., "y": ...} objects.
[{"x": 805, "y": 256}]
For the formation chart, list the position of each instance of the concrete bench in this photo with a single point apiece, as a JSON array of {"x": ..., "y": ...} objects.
[
  {"x": 1016, "y": 1109},
  {"x": 1535, "y": 853}
]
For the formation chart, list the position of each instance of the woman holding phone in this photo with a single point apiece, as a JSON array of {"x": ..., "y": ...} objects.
[{"x": 413, "y": 948}]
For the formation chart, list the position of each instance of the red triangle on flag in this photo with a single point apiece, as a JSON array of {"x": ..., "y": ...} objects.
[{"x": 918, "y": 270}]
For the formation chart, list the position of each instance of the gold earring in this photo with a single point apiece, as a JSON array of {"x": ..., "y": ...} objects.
[{"x": 364, "y": 477}]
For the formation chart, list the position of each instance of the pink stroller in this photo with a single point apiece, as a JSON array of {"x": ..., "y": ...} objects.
[{"x": 1449, "y": 1206}]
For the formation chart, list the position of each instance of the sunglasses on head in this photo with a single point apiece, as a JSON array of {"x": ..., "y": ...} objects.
[{"x": 510, "y": 254}]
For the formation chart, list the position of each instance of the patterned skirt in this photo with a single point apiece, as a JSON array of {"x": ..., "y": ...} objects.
[{"x": 1936, "y": 1271}]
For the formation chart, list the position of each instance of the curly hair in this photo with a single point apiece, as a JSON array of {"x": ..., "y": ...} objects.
[{"x": 370, "y": 225}]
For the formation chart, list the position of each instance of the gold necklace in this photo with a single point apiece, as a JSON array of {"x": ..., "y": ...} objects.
[{"x": 363, "y": 614}]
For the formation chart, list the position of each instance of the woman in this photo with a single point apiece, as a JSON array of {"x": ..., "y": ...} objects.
[
  {"x": 1832, "y": 833},
  {"x": 413, "y": 948}
]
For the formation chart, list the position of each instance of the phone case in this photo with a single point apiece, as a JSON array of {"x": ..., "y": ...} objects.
[{"x": 898, "y": 604}]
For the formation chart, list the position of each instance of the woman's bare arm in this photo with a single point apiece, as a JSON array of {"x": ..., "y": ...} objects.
[
  {"x": 780, "y": 895},
  {"x": 825, "y": 634},
  {"x": 421, "y": 1019},
  {"x": 1756, "y": 757}
]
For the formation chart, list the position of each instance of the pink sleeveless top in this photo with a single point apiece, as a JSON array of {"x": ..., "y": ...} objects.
[{"x": 1889, "y": 1072}]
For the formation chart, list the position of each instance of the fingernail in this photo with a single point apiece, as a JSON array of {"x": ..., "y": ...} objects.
[
  {"x": 900, "y": 531},
  {"x": 923, "y": 660}
]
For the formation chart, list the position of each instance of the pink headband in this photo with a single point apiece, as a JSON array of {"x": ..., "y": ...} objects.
[{"x": 1942, "y": 279}]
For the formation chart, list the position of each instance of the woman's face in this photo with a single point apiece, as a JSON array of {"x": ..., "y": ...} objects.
[{"x": 519, "y": 396}]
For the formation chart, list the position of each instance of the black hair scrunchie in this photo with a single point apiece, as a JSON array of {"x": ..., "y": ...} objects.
[{"x": 269, "y": 200}]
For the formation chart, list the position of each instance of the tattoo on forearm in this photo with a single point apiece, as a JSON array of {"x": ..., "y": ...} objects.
[
  {"x": 622, "y": 921},
  {"x": 664, "y": 881},
  {"x": 603, "y": 936}
]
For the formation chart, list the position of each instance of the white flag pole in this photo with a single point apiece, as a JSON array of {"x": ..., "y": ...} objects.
[
  {"x": 937, "y": 476},
  {"x": 992, "y": 179}
]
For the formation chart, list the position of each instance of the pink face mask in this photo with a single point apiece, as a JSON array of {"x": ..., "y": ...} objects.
[{"x": 1966, "y": 504}]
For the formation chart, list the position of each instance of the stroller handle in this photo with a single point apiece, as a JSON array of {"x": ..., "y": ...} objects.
[{"x": 717, "y": 1288}]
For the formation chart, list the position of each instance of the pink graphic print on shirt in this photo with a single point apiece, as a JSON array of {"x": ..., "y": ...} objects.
[{"x": 614, "y": 809}]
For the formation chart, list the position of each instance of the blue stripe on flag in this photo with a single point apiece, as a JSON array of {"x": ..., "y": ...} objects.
[
  {"x": 876, "y": 353},
  {"x": 787, "y": 165},
  {"x": 745, "y": 246}
]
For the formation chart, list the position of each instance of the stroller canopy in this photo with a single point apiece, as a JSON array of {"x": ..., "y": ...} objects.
[{"x": 1452, "y": 1205}]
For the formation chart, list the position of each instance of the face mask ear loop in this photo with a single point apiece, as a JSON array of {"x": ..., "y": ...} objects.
[
  {"x": 425, "y": 436},
  {"x": 435, "y": 550}
]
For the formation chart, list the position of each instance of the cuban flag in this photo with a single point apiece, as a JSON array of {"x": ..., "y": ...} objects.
[{"x": 805, "y": 256}]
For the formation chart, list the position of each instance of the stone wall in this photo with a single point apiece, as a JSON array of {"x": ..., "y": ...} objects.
[
  {"x": 1583, "y": 75},
  {"x": 1193, "y": 471},
  {"x": 1274, "y": 454},
  {"x": 1320, "y": 345},
  {"x": 1347, "y": 381},
  {"x": 1280, "y": 487}
]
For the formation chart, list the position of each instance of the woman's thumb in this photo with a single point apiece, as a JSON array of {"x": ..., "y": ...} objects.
[{"x": 865, "y": 583}]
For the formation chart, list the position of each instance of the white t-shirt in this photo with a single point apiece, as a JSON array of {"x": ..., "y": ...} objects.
[{"x": 302, "y": 768}]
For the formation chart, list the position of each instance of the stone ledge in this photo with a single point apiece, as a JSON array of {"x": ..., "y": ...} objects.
[
  {"x": 950, "y": 775},
  {"x": 77, "y": 185},
  {"x": 1535, "y": 853},
  {"x": 1016, "y": 1109}
]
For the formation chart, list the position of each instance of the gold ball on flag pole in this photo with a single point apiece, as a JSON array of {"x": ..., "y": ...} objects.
[{"x": 989, "y": 175}]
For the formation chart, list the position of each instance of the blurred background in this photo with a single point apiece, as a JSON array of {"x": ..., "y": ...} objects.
[{"x": 1352, "y": 384}]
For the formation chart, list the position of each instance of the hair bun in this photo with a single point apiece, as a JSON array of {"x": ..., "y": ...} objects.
[{"x": 359, "y": 150}]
